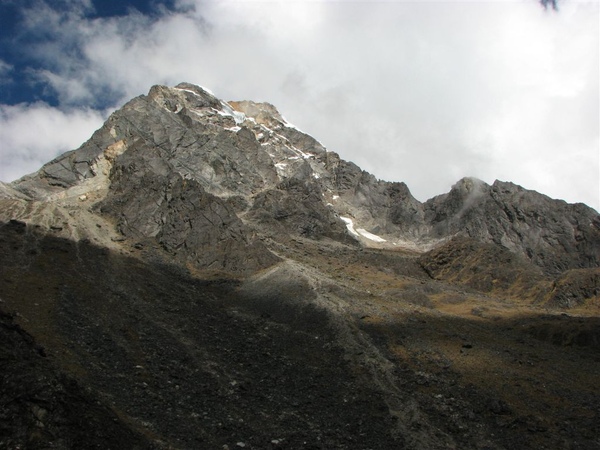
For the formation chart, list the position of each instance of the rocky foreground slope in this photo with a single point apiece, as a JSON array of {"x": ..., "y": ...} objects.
[{"x": 202, "y": 274}]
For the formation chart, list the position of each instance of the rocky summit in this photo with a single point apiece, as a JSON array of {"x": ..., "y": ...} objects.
[{"x": 201, "y": 274}]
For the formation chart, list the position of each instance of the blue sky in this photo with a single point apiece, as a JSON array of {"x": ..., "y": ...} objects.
[{"x": 422, "y": 92}]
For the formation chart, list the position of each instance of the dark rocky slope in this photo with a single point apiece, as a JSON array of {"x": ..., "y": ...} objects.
[
  {"x": 42, "y": 407},
  {"x": 179, "y": 362},
  {"x": 183, "y": 362}
]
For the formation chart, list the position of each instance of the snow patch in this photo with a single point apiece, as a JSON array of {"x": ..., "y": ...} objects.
[
  {"x": 187, "y": 90},
  {"x": 350, "y": 225},
  {"x": 370, "y": 236},
  {"x": 289, "y": 125},
  {"x": 286, "y": 142},
  {"x": 361, "y": 231},
  {"x": 227, "y": 110},
  {"x": 208, "y": 91}
]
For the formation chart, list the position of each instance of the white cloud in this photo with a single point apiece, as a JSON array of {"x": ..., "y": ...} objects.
[
  {"x": 32, "y": 135},
  {"x": 419, "y": 92},
  {"x": 5, "y": 69}
]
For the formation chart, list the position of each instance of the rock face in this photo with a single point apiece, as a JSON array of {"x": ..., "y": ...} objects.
[
  {"x": 192, "y": 225},
  {"x": 202, "y": 274},
  {"x": 551, "y": 233}
]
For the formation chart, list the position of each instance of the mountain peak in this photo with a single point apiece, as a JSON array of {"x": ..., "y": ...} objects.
[
  {"x": 263, "y": 113},
  {"x": 470, "y": 184},
  {"x": 279, "y": 181}
]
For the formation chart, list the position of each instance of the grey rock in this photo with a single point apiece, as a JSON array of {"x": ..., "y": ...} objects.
[
  {"x": 149, "y": 199},
  {"x": 296, "y": 205},
  {"x": 9, "y": 192},
  {"x": 550, "y": 233}
]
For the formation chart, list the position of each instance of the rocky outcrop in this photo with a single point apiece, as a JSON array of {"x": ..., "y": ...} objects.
[
  {"x": 296, "y": 206},
  {"x": 550, "y": 233},
  {"x": 162, "y": 168},
  {"x": 575, "y": 288},
  {"x": 148, "y": 199}
]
